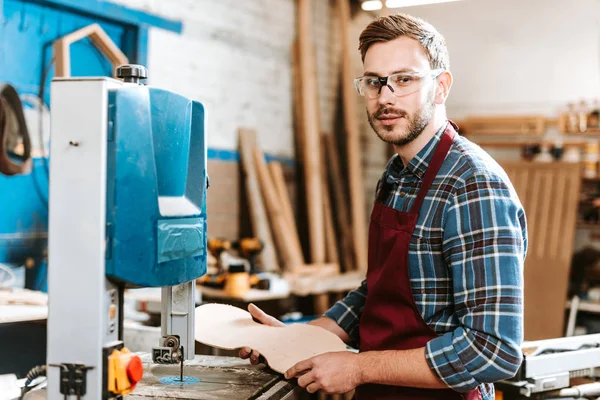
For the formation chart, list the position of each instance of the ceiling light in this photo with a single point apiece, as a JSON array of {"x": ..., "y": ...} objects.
[
  {"x": 411, "y": 3},
  {"x": 371, "y": 5}
]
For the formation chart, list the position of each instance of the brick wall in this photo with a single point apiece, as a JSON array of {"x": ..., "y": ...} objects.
[{"x": 235, "y": 57}]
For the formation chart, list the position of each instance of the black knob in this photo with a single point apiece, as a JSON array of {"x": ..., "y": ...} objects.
[{"x": 132, "y": 72}]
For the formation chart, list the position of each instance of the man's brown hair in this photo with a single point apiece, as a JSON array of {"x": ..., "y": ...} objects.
[{"x": 384, "y": 29}]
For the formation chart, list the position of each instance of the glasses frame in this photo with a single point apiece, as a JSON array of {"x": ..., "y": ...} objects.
[{"x": 383, "y": 81}]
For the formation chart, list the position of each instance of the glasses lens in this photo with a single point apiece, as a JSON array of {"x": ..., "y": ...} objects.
[
  {"x": 368, "y": 86},
  {"x": 405, "y": 84},
  {"x": 401, "y": 84}
]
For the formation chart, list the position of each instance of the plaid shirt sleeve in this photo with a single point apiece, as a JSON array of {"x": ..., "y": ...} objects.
[
  {"x": 485, "y": 243},
  {"x": 346, "y": 313}
]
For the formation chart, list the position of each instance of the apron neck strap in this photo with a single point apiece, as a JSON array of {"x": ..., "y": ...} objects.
[{"x": 434, "y": 166}]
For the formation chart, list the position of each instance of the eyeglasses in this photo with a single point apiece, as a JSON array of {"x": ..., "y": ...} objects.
[{"x": 400, "y": 84}]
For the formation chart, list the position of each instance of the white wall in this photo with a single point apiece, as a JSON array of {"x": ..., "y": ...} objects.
[
  {"x": 235, "y": 57},
  {"x": 518, "y": 56}
]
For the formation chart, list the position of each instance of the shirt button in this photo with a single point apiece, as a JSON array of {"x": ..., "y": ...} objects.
[{"x": 402, "y": 194}]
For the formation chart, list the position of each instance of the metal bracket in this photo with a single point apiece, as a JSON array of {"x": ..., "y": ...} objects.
[
  {"x": 73, "y": 379},
  {"x": 169, "y": 351}
]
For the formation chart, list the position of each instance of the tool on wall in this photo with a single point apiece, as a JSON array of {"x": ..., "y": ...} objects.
[
  {"x": 99, "y": 38},
  {"x": 15, "y": 143}
]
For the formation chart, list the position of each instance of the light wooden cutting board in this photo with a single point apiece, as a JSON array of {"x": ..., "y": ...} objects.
[{"x": 228, "y": 327}]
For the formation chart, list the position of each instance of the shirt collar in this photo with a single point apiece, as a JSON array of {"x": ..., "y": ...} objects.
[{"x": 419, "y": 163}]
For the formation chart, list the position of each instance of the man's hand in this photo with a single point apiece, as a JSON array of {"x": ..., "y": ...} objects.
[
  {"x": 264, "y": 319},
  {"x": 332, "y": 373}
]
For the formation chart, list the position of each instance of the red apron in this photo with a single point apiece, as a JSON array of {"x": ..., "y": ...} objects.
[{"x": 390, "y": 319}]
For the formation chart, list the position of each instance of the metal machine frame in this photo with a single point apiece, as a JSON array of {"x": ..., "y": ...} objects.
[{"x": 85, "y": 307}]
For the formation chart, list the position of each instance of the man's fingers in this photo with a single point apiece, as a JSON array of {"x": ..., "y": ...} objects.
[
  {"x": 254, "y": 357},
  {"x": 263, "y": 317},
  {"x": 313, "y": 387},
  {"x": 298, "y": 368},
  {"x": 306, "y": 379},
  {"x": 245, "y": 352}
]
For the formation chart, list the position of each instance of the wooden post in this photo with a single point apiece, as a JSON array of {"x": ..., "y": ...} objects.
[
  {"x": 355, "y": 170},
  {"x": 258, "y": 215},
  {"x": 340, "y": 201},
  {"x": 286, "y": 206},
  {"x": 283, "y": 234},
  {"x": 310, "y": 136},
  {"x": 331, "y": 247}
]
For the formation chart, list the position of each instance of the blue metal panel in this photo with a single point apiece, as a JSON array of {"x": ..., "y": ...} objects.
[
  {"x": 180, "y": 238},
  {"x": 114, "y": 12},
  {"x": 24, "y": 215},
  {"x": 158, "y": 150},
  {"x": 27, "y": 30}
]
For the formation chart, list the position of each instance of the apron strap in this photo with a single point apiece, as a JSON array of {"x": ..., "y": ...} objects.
[{"x": 434, "y": 166}]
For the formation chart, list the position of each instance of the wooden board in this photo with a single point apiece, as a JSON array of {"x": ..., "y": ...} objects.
[
  {"x": 284, "y": 236},
  {"x": 549, "y": 193},
  {"x": 256, "y": 206},
  {"x": 228, "y": 327},
  {"x": 311, "y": 285},
  {"x": 331, "y": 243},
  {"x": 310, "y": 142},
  {"x": 286, "y": 205},
  {"x": 342, "y": 215},
  {"x": 505, "y": 125},
  {"x": 355, "y": 169}
]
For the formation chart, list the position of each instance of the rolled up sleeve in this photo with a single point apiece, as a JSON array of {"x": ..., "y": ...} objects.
[
  {"x": 485, "y": 244},
  {"x": 347, "y": 312}
]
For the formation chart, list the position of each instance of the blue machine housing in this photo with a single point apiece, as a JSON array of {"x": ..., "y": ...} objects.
[{"x": 156, "y": 188}]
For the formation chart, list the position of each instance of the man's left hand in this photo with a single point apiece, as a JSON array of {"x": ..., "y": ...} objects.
[{"x": 332, "y": 373}]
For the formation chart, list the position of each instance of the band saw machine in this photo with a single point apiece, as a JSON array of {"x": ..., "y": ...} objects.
[{"x": 128, "y": 173}]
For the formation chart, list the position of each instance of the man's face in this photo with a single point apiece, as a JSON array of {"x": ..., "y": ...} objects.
[{"x": 399, "y": 120}]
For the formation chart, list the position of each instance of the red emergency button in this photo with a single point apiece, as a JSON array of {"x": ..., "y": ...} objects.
[{"x": 135, "y": 370}]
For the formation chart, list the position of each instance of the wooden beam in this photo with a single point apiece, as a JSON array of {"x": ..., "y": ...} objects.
[
  {"x": 286, "y": 205},
  {"x": 341, "y": 202},
  {"x": 284, "y": 237},
  {"x": 331, "y": 246},
  {"x": 256, "y": 206},
  {"x": 355, "y": 169},
  {"x": 310, "y": 136}
]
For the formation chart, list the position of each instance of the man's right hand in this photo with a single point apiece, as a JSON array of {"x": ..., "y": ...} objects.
[{"x": 265, "y": 319}]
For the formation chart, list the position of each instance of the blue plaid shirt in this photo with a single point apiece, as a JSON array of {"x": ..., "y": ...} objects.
[{"x": 466, "y": 261}]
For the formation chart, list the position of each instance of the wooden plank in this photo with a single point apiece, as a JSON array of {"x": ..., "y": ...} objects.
[
  {"x": 278, "y": 178},
  {"x": 311, "y": 148},
  {"x": 341, "y": 202},
  {"x": 284, "y": 237},
  {"x": 511, "y": 143},
  {"x": 256, "y": 206},
  {"x": 550, "y": 194},
  {"x": 331, "y": 245},
  {"x": 286, "y": 206},
  {"x": 355, "y": 169},
  {"x": 331, "y": 248},
  {"x": 506, "y": 125}
]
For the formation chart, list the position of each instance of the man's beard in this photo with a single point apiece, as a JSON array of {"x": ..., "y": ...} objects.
[{"x": 415, "y": 123}]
